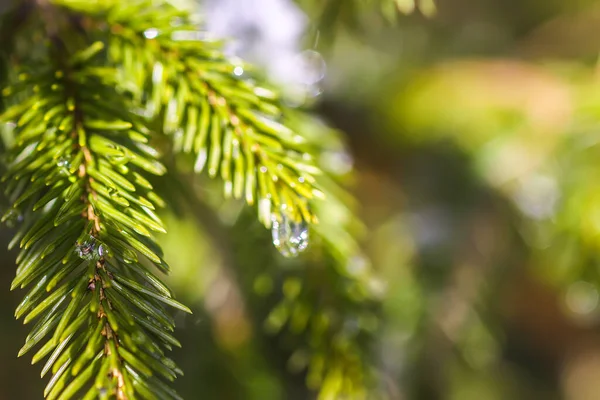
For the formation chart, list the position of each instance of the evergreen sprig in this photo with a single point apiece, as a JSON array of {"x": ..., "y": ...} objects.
[
  {"x": 76, "y": 176},
  {"x": 86, "y": 113},
  {"x": 211, "y": 107}
]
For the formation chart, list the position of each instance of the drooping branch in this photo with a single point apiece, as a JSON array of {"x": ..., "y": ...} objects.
[{"x": 77, "y": 176}]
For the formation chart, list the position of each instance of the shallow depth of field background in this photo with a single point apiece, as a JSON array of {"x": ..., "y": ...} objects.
[{"x": 475, "y": 136}]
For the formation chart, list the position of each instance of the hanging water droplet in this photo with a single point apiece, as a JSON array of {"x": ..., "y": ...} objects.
[
  {"x": 311, "y": 67},
  {"x": 310, "y": 70},
  {"x": 289, "y": 237}
]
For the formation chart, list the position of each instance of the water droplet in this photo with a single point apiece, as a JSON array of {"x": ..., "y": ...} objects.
[
  {"x": 289, "y": 237},
  {"x": 91, "y": 249},
  {"x": 85, "y": 250},
  {"x": 151, "y": 33},
  {"x": 311, "y": 67},
  {"x": 238, "y": 71},
  {"x": 102, "y": 251}
]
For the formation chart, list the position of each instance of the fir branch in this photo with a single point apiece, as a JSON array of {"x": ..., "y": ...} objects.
[
  {"x": 77, "y": 176},
  {"x": 81, "y": 161},
  {"x": 193, "y": 85},
  {"x": 235, "y": 127}
]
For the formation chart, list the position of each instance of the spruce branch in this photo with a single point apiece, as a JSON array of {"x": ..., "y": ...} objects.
[
  {"x": 76, "y": 177},
  {"x": 322, "y": 309},
  {"x": 234, "y": 127}
]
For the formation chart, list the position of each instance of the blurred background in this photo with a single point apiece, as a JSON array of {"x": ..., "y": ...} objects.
[{"x": 473, "y": 132}]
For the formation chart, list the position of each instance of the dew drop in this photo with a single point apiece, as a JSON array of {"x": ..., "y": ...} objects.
[
  {"x": 238, "y": 71},
  {"x": 85, "y": 250},
  {"x": 289, "y": 237},
  {"x": 311, "y": 66},
  {"x": 151, "y": 33},
  {"x": 91, "y": 249},
  {"x": 102, "y": 251}
]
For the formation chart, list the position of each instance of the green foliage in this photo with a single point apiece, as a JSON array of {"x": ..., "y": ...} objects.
[
  {"x": 88, "y": 113},
  {"x": 76, "y": 176},
  {"x": 235, "y": 128}
]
